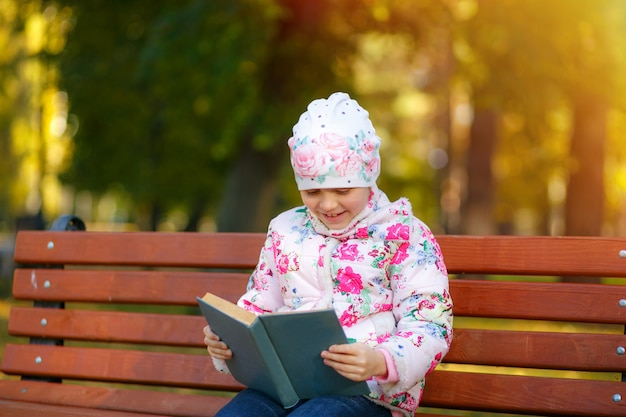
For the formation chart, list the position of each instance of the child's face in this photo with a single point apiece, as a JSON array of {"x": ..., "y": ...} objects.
[{"x": 336, "y": 207}]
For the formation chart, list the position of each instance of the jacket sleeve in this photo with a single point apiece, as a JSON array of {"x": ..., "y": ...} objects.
[
  {"x": 422, "y": 308},
  {"x": 263, "y": 293}
]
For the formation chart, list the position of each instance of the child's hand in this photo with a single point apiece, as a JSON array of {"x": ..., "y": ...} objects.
[
  {"x": 355, "y": 361},
  {"x": 216, "y": 348}
]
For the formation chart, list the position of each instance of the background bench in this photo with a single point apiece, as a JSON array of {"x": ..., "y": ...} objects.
[{"x": 113, "y": 316}]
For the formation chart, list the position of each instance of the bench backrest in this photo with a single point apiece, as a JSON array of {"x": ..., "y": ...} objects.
[{"x": 522, "y": 344}]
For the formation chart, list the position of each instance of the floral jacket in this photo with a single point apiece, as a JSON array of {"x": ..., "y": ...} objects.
[{"x": 384, "y": 276}]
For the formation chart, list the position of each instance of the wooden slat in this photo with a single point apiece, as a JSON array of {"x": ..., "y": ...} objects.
[
  {"x": 105, "y": 398},
  {"x": 40, "y": 396},
  {"x": 113, "y": 365},
  {"x": 119, "y": 286},
  {"x": 223, "y": 250},
  {"x": 534, "y": 255},
  {"x": 107, "y": 326},
  {"x": 587, "y": 303},
  {"x": 566, "y": 351},
  {"x": 591, "y": 303},
  {"x": 22, "y": 409},
  {"x": 455, "y": 390},
  {"x": 523, "y": 394},
  {"x": 516, "y": 255}
]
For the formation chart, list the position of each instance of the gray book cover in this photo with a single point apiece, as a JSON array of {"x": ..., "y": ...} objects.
[{"x": 279, "y": 354}]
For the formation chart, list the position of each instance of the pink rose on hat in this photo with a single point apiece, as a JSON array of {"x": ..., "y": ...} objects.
[
  {"x": 336, "y": 145},
  {"x": 310, "y": 160},
  {"x": 349, "y": 164}
]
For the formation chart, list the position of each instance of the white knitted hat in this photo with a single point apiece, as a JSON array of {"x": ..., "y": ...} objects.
[{"x": 334, "y": 145}]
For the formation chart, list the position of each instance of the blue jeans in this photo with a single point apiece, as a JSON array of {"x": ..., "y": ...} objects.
[{"x": 253, "y": 403}]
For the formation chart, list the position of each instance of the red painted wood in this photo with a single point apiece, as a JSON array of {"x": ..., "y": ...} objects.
[
  {"x": 116, "y": 365},
  {"x": 124, "y": 286},
  {"x": 568, "y": 351},
  {"x": 23, "y": 409},
  {"x": 590, "y": 303},
  {"x": 541, "y": 350},
  {"x": 524, "y": 394},
  {"x": 534, "y": 255},
  {"x": 108, "y": 326},
  {"x": 32, "y": 397},
  {"x": 516, "y": 255},
  {"x": 224, "y": 250}
]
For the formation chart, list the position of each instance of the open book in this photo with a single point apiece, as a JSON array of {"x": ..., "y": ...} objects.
[{"x": 279, "y": 353}]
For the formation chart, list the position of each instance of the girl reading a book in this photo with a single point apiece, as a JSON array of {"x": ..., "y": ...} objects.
[{"x": 351, "y": 249}]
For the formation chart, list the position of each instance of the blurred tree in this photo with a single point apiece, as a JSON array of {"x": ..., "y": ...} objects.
[
  {"x": 508, "y": 68},
  {"x": 32, "y": 119},
  {"x": 594, "y": 81},
  {"x": 9, "y": 50},
  {"x": 567, "y": 61},
  {"x": 160, "y": 129}
]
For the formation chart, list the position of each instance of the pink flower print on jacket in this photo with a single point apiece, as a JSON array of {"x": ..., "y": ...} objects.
[
  {"x": 276, "y": 240},
  {"x": 401, "y": 254},
  {"x": 398, "y": 231},
  {"x": 260, "y": 281},
  {"x": 287, "y": 262},
  {"x": 434, "y": 363},
  {"x": 253, "y": 308},
  {"x": 349, "y": 252},
  {"x": 349, "y": 281},
  {"x": 362, "y": 232},
  {"x": 348, "y": 318},
  {"x": 432, "y": 248},
  {"x": 320, "y": 258}
]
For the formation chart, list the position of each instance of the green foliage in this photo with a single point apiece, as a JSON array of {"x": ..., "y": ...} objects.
[{"x": 161, "y": 91}]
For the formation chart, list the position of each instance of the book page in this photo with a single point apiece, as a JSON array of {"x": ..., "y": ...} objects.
[{"x": 231, "y": 309}]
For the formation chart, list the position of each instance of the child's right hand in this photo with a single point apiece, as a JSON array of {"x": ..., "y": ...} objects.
[{"x": 216, "y": 348}]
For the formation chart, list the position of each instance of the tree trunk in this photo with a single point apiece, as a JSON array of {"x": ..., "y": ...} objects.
[
  {"x": 249, "y": 192},
  {"x": 584, "y": 209},
  {"x": 477, "y": 214},
  {"x": 584, "y": 204}
]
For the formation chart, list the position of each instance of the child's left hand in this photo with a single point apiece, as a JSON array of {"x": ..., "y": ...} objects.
[{"x": 355, "y": 361}]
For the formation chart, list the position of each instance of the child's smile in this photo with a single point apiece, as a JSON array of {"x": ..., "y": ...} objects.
[{"x": 336, "y": 207}]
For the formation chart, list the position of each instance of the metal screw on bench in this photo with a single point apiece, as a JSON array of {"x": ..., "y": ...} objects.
[
  {"x": 38, "y": 359},
  {"x": 50, "y": 245},
  {"x": 622, "y": 302},
  {"x": 44, "y": 322},
  {"x": 617, "y": 398},
  {"x": 620, "y": 350},
  {"x": 622, "y": 253}
]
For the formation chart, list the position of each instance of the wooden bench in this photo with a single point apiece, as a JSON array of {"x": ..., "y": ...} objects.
[{"x": 113, "y": 316}]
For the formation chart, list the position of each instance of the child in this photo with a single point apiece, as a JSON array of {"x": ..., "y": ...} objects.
[{"x": 351, "y": 249}]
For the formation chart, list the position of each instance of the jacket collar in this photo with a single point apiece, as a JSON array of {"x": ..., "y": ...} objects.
[{"x": 373, "y": 222}]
